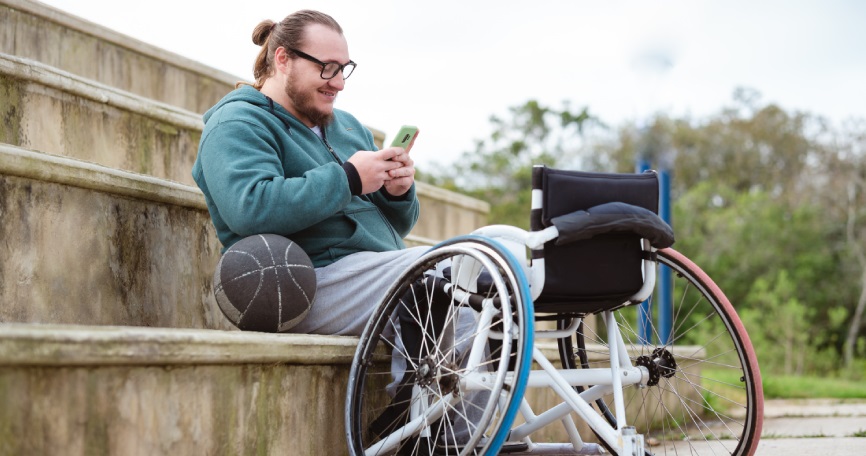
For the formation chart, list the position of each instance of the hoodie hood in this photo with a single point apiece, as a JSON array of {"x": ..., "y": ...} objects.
[{"x": 249, "y": 95}]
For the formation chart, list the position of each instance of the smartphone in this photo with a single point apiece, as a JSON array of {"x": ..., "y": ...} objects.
[{"x": 404, "y": 136}]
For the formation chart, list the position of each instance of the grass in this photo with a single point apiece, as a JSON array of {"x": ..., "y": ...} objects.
[{"x": 809, "y": 387}]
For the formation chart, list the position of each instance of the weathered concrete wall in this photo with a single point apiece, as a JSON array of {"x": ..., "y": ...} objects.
[
  {"x": 102, "y": 227},
  {"x": 54, "y": 112},
  {"x": 77, "y": 256},
  {"x": 445, "y": 214},
  {"x": 150, "y": 391},
  {"x": 50, "y": 111},
  {"x": 87, "y": 244},
  {"x": 186, "y": 410},
  {"x": 126, "y": 391},
  {"x": 45, "y": 34}
]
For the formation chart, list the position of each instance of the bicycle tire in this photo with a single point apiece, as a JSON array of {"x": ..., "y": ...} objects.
[{"x": 727, "y": 417}]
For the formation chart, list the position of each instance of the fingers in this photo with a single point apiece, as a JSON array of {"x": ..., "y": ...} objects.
[
  {"x": 399, "y": 186},
  {"x": 379, "y": 168},
  {"x": 402, "y": 178},
  {"x": 393, "y": 153},
  {"x": 400, "y": 164},
  {"x": 406, "y": 170}
]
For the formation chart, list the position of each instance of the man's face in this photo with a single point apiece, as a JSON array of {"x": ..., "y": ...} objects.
[{"x": 312, "y": 98}]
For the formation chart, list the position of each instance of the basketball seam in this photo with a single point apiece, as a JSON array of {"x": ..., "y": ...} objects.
[
  {"x": 262, "y": 270},
  {"x": 292, "y": 276},
  {"x": 277, "y": 280}
]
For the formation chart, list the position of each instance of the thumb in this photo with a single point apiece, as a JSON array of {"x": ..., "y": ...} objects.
[{"x": 391, "y": 152}]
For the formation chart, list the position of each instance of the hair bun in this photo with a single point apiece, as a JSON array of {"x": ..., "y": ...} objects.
[{"x": 263, "y": 31}]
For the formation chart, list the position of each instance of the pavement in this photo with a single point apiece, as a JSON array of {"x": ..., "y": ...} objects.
[{"x": 826, "y": 427}]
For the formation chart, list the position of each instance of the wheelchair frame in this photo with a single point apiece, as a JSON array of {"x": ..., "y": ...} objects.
[{"x": 507, "y": 315}]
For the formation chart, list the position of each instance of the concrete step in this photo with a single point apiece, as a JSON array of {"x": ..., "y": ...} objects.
[
  {"x": 39, "y": 32},
  {"x": 84, "y": 243},
  {"x": 813, "y": 427},
  {"x": 54, "y": 111},
  {"x": 108, "y": 390},
  {"x": 815, "y": 418},
  {"x": 106, "y": 259},
  {"x": 79, "y": 390},
  {"x": 88, "y": 244}
]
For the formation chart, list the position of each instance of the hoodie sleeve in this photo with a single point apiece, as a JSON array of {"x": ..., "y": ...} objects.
[
  {"x": 242, "y": 167},
  {"x": 401, "y": 212}
]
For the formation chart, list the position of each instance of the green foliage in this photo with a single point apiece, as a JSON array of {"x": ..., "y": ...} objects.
[
  {"x": 746, "y": 241},
  {"x": 499, "y": 170},
  {"x": 770, "y": 203},
  {"x": 785, "y": 343}
]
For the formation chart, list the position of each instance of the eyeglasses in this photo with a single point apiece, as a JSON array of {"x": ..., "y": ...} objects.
[{"x": 329, "y": 69}]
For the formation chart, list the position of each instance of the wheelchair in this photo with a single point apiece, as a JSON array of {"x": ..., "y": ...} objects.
[{"x": 472, "y": 323}]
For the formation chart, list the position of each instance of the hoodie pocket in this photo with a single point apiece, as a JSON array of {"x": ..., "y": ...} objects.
[{"x": 370, "y": 232}]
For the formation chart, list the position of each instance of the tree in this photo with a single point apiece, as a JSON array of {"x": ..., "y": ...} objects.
[
  {"x": 758, "y": 190},
  {"x": 843, "y": 193},
  {"x": 771, "y": 203},
  {"x": 499, "y": 170}
]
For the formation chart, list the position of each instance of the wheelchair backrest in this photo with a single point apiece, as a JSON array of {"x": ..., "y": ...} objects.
[{"x": 596, "y": 274}]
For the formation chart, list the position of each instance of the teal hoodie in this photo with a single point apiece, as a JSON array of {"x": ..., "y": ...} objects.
[{"x": 263, "y": 171}]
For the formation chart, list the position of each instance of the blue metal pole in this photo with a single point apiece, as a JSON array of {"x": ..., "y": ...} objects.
[
  {"x": 644, "y": 317},
  {"x": 665, "y": 293}
]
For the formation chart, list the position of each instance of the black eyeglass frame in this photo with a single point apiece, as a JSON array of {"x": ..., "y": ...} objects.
[{"x": 342, "y": 68}]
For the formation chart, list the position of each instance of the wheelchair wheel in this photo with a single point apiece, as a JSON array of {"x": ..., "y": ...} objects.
[
  {"x": 704, "y": 395},
  {"x": 439, "y": 329}
]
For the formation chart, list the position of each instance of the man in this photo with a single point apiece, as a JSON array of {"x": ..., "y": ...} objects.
[{"x": 277, "y": 157}]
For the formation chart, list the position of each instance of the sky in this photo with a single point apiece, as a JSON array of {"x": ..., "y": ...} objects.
[{"x": 448, "y": 65}]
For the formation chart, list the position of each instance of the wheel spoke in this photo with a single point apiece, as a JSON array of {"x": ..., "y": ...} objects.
[
  {"x": 453, "y": 343},
  {"x": 711, "y": 403}
]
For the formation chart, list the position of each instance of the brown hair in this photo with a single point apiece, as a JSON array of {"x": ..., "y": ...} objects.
[{"x": 288, "y": 33}]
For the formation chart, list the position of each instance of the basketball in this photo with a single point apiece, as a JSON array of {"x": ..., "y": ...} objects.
[{"x": 265, "y": 283}]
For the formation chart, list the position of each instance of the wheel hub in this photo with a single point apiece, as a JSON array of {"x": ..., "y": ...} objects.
[
  {"x": 426, "y": 372},
  {"x": 665, "y": 361},
  {"x": 660, "y": 364},
  {"x": 443, "y": 375}
]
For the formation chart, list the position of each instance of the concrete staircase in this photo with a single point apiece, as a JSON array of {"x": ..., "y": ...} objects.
[{"x": 110, "y": 339}]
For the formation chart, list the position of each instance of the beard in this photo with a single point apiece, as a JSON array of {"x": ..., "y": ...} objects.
[{"x": 303, "y": 102}]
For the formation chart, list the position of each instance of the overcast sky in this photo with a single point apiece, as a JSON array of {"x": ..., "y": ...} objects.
[{"x": 448, "y": 65}]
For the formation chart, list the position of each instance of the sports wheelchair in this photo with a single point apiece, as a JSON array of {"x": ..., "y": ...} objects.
[{"x": 471, "y": 322}]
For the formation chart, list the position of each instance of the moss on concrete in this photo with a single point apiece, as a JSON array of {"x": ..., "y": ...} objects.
[
  {"x": 10, "y": 110},
  {"x": 229, "y": 409}
]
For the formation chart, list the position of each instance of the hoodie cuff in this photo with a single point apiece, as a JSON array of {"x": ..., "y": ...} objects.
[
  {"x": 354, "y": 179},
  {"x": 404, "y": 197}
]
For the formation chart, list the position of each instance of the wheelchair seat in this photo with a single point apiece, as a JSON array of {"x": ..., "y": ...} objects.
[{"x": 600, "y": 273}]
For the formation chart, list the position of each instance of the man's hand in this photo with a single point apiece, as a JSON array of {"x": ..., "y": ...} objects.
[
  {"x": 381, "y": 168},
  {"x": 402, "y": 177}
]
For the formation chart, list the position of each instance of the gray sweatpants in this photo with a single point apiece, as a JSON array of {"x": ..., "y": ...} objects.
[{"x": 347, "y": 291}]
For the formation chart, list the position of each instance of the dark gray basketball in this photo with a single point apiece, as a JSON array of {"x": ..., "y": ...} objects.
[{"x": 265, "y": 283}]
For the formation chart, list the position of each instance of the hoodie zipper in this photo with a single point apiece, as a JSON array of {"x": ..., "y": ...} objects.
[
  {"x": 330, "y": 149},
  {"x": 324, "y": 139},
  {"x": 394, "y": 235}
]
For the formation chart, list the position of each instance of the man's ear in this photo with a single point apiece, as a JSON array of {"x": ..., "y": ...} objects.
[{"x": 282, "y": 61}]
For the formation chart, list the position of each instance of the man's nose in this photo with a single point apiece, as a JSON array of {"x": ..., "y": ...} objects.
[{"x": 337, "y": 82}]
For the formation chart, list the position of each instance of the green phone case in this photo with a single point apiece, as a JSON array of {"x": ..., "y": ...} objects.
[{"x": 404, "y": 136}]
